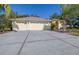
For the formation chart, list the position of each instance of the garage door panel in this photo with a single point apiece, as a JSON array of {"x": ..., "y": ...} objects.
[{"x": 36, "y": 26}]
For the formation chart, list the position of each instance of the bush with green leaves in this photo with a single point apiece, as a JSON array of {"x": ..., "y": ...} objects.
[{"x": 4, "y": 24}]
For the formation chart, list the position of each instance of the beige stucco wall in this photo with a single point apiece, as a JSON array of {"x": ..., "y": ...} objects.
[
  {"x": 30, "y": 26},
  {"x": 14, "y": 26}
]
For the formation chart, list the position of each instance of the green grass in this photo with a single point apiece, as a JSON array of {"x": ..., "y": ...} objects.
[{"x": 73, "y": 31}]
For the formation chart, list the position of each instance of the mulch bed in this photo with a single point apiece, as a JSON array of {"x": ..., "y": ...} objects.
[{"x": 4, "y": 32}]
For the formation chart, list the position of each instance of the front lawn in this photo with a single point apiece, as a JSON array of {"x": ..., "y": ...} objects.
[{"x": 73, "y": 31}]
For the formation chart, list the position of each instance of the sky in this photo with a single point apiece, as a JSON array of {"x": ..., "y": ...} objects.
[{"x": 42, "y": 10}]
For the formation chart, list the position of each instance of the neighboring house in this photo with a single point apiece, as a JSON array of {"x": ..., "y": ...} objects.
[{"x": 30, "y": 23}]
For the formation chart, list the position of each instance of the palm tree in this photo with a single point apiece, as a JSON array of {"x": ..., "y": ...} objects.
[
  {"x": 6, "y": 9},
  {"x": 4, "y": 18}
]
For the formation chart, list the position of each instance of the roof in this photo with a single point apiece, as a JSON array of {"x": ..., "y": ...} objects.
[{"x": 31, "y": 19}]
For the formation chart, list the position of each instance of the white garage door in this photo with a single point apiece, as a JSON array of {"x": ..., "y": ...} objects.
[{"x": 36, "y": 26}]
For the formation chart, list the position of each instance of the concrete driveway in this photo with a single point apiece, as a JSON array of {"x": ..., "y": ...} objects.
[{"x": 38, "y": 43}]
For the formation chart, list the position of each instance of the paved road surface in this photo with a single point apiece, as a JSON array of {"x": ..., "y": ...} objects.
[{"x": 38, "y": 43}]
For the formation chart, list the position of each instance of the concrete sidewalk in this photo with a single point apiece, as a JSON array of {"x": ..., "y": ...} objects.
[{"x": 38, "y": 43}]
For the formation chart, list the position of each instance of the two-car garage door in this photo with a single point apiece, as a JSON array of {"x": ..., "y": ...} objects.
[{"x": 36, "y": 26}]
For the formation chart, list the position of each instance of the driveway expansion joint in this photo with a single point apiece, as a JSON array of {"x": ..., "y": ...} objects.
[
  {"x": 23, "y": 44},
  {"x": 63, "y": 41}
]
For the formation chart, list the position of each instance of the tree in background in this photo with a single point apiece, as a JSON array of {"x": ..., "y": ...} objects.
[
  {"x": 6, "y": 9},
  {"x": 69, "y": 12},
  {"x": 54, "y": 21},
  {"x": 55, "y": 16},
  {"x": 5, "y": 23}
]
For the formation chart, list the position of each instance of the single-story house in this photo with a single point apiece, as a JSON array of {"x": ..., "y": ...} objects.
[{"x": 30, "y": 23}]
